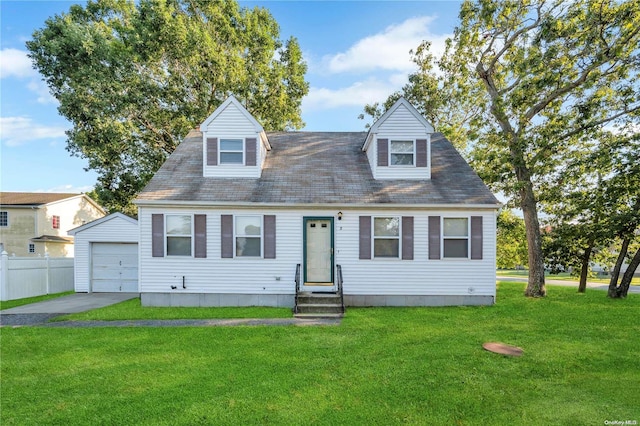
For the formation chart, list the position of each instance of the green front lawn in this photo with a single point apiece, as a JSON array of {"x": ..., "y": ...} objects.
[{"x": 381, "y": 366}]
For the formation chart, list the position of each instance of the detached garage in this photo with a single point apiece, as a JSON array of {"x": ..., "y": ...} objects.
[{"x": 106, "y": 255}]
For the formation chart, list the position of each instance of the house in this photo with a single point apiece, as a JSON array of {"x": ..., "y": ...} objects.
[
  {"x": 36, "y": 224},
  {"x": 106, "y": 255},
  {"x": 392, "y": 216}
]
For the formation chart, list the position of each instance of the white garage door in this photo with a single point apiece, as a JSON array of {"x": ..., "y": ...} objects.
[{"x": 114, "y": 267}]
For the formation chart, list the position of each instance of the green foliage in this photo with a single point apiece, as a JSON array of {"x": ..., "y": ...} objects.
[
  {"x": 134, "y": 78},
  {"x": 380, "y": 366},
  {"x": 511, "y": 250}
]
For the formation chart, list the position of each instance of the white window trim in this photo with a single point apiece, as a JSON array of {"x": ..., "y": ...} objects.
[
  {"x": 30, "y": 247},
  {"x": 390, "y": 152},
  {"x": 167, "y": 236},
  {"x": 6, "y": 214},
  {"x": 236, "y": 236},
  {"x": 244, "y": 154},
  {"x": 385, "y": 237},
  {"x": 53, "y": 221},
  {"x": 450, "y": 237}
]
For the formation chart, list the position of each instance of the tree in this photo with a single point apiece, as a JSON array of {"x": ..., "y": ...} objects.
[
  {"x": 526, "y": 81},
  {"x": 511, "y": 244},
  {"x": 134, "y": 78}
]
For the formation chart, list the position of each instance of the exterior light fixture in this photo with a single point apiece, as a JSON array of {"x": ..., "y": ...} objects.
[{"x": 339, "y": 215}]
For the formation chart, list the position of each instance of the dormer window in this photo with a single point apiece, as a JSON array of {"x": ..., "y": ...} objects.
[
  {"x": 401, "y": 153},
  {"x": 232, "y": 151}
]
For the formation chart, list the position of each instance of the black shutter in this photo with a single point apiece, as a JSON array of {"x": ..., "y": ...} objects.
[
  {"x": 383, "y": 152},
  {"x": 226, "y": 236},
  {"x": 476, "y": 237},
  {"x": 200, "y": 230},
  {"x": 212, "y": 151},
  {"x": 434, "y": 237},
  {"x": 269, "y": 237},
  {"x": 157, "y": 235},
  {"x": 365, "y": 237},
  {"x": 407, "y": 237},
  {"x": 421, "y": 153},
  {"x": 250, "y": 151}
]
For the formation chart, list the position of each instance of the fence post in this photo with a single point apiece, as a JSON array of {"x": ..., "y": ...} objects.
[
  {"x": 4, "y": 276},
  {"x": 48, "y": 270}
]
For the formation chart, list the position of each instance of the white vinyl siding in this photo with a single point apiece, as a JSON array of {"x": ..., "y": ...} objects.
[{"x": 256, "y": 276}]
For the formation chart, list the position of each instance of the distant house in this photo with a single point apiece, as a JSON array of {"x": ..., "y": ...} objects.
[
  {"x": 240, "y": 216},
  {"x": 35, "y": 224}
]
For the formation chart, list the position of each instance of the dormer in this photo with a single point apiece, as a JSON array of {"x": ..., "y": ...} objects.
[
  {"x": 234, "y": 144},
  {"x": 398, "y": 144}
]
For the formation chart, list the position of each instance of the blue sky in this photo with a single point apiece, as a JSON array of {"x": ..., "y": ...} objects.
[{"x": 357, "y": 52}]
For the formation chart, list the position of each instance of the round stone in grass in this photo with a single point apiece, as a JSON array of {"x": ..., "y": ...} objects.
[{"x": 501, "y": 348}]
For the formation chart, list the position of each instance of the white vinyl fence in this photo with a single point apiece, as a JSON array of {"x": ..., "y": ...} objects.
[{"x": 22, "y": 277}]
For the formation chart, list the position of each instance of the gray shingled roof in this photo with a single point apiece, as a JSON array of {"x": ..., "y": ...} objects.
[{"x": 317, "y": 168}]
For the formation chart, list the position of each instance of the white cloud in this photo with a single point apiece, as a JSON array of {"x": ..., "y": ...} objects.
[
  {"x": 387, "y": 50},
  {"x": 71, "y": 189},
  {"x": 357, "y": 94},
  {"x": 15, "y": 63},
  {"x": 16, "y": 131},
  {"x": 40, "y": 88}
]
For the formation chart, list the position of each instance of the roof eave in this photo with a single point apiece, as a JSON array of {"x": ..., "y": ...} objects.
[{"x": 172, "y": 203}]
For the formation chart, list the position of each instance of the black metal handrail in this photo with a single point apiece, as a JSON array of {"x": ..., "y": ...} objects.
[
  {"x": 297, "y": 280},
  {"x": 340, "y": 282}
]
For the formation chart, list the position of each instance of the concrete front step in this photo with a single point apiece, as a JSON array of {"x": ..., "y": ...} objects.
[
  {"x": 312, "y": 308},
  {"x": 322, "y": 298},
  {"x": 317, "y": 315}
]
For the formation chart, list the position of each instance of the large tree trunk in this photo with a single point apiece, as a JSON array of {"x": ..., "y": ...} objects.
[
  {"x": 535, "y": 286},
  {"x": 613, "y": 283},
  {"x": 582, "y": 286},
  {"x": 628, "y": 275}
]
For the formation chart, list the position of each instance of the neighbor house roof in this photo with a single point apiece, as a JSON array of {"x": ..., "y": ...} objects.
[
  {"x": 32, "y": 198},
  {"x": 316, "y": 168}
]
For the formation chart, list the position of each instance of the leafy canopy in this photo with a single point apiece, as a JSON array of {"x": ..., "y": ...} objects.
[{"x": 134, "y": 78}]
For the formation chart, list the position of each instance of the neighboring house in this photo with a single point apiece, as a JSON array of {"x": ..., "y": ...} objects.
[
  {"x": 106, "y": 257},
  {"x": 36, "y": 224},
  {"x": 235, "y": 211}
]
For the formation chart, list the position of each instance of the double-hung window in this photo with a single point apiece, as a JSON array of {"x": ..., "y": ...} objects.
[
  {"x": 401, "y": 153},
  {"x": 248, "y": 236},
  {"x": 32, "y": 248},
  {"x": 455, "y": 237},
  {"x": 231, "y": 151},
  {"x": 179, "y": 231},
  {"x": 386, "y": 237},
  {"x": 55, "y": 222},
  {"x": 4, "y": 219}
]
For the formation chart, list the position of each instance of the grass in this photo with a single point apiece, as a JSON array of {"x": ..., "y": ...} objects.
[
  {"x": 19, "y": 302},
  {"x": 381, "y": 366},
  {"x": 132, "y": 310},
  {"x": 563, "y": 276}
]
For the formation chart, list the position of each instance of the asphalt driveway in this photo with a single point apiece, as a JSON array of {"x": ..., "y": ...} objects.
[{"x": 39, "y": 312}]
